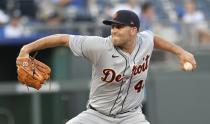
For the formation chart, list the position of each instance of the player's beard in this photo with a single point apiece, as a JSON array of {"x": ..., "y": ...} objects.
[{"x": 118, "y": 40}]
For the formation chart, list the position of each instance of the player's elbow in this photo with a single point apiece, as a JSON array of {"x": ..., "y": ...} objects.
[{"x": 63, "y": 39}]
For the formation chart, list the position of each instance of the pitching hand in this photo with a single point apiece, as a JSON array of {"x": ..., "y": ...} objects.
[{"x": 186, "y": 56}]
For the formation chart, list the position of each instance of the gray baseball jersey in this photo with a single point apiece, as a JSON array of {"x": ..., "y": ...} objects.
[{"x": 118, "y": 78}]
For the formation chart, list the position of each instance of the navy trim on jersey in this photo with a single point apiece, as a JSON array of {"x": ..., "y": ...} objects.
[
  {"x": 122, "y": 80},
  {"x": 137, "y": 52},
  {"x": 126, "y": 93},
  {"x": 130, "y": 78}
]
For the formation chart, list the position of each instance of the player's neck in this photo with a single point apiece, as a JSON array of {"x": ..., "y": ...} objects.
[{"x": 129, "y": 46}]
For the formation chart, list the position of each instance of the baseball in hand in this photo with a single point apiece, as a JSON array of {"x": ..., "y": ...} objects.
[{"x": 188, "y": 66}]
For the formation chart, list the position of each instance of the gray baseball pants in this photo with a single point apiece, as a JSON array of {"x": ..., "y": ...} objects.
[{"x": 94, "y": 117}]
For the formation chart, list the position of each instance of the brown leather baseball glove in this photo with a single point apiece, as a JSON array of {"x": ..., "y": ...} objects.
[{"x": 32, "y": 72}]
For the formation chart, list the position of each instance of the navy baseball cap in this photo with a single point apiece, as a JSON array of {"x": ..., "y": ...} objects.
[{"x": 124, "y": 17}]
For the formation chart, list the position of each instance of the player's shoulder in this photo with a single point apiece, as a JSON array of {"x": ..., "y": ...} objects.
[
  {"x": 146, "y": 36},
  {"x": 105, "y": 41},
  {"x": 146, "y": 33},
  {"x": 85, "y": 37},
  {"x": 96, "y": 41},
  {"x": 88, "y": 39}
]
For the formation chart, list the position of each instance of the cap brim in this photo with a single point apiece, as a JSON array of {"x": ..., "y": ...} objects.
[{"x": 110, "y": 22}]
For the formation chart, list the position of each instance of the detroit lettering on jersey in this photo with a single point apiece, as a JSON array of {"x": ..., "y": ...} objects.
[{"x": 110, "y": 74}]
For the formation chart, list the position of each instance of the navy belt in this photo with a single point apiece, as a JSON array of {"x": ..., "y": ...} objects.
[
  {"x": 110, "y": 115},
  {"x": 91, "y": 107}
]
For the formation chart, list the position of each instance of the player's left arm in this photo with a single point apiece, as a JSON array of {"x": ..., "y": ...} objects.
[{"x": 183, "y": 55}]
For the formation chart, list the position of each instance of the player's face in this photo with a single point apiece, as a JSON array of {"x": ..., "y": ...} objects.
[{"x": 121, "y": 34}]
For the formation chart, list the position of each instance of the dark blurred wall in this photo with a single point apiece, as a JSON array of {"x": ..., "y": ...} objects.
[
  {"x": 7, "y": 63},
  {"x": 9, "y": 50}
]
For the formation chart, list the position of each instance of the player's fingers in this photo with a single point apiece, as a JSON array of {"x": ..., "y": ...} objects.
[
  {"x": 194, "y": 66},
  {"x": 193, "y": 62},
  {"x": 191, "y": 59}
]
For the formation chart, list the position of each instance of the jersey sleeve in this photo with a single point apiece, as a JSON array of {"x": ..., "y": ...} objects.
[
  {"x": 89, "y": 47},
  {"x": 149, "y": 37}
]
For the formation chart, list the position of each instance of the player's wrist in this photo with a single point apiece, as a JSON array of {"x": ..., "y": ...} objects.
[
  {"x": 24, "y": 52},
  {"x": 179, "y": 51}
]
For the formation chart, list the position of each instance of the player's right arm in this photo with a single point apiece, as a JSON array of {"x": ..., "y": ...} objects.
[{"x": 45, "y": 42}]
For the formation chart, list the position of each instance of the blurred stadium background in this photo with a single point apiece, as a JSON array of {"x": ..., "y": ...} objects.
[{"x": 172, "y": 96}]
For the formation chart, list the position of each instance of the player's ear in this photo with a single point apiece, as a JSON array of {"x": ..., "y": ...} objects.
[{"x": 134, "y": 30}]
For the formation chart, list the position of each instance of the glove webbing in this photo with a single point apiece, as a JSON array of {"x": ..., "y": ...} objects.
[
  {"x": 32, "y": 58},
  {"x": 33, "y": 69}
]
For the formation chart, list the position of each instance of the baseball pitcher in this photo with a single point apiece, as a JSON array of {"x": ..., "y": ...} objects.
[{"x": 120, "y": 64}]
